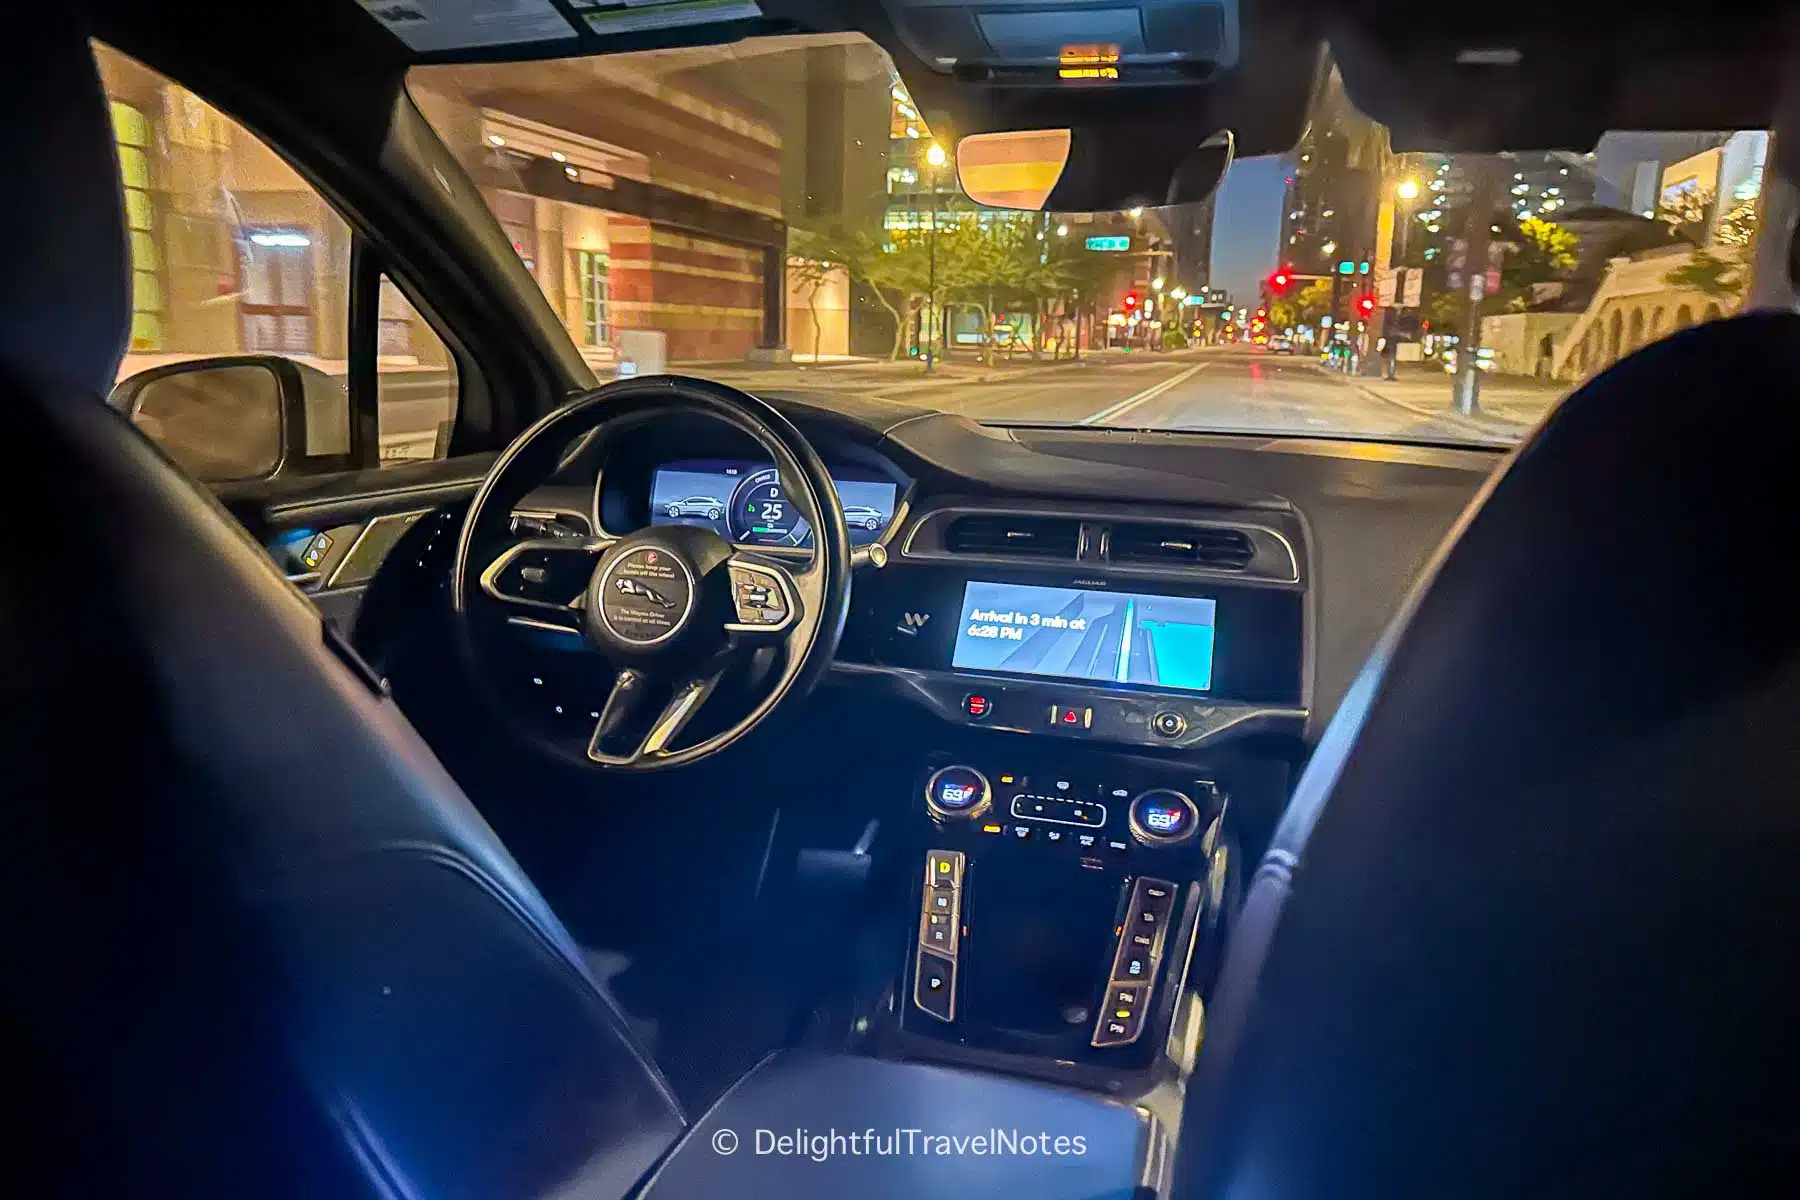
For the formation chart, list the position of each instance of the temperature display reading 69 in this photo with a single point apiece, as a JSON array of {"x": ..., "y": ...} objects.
[{"x": 747, "y": 504}]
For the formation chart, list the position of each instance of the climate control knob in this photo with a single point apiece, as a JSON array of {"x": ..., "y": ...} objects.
[
  {"x": 958, "y": 793},
  {"x": 1163, "y": 817}
]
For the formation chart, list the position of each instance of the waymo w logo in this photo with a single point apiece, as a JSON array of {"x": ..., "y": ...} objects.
[{"x": 912, "y": 622}]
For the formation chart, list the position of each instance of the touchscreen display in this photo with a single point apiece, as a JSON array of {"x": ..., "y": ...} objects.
[
  {"x": 748, "y": 504},
  {"x": 1087, "y": 634}
]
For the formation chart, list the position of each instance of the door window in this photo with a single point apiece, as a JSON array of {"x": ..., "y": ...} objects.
[{"x": 233, "y": 252}]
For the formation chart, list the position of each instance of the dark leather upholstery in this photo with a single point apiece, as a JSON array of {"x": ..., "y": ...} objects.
[
  {"x": 805, "y": 1098},
  {"x": 261, "y": 943},
  {"x": 1528, "y": 925}
]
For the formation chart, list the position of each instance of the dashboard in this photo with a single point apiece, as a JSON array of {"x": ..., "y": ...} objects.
[
  {"x": 1157, "y": 591},
  {"x": 747, "y": 504}
]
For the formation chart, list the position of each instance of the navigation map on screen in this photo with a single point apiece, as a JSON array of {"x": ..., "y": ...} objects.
[{"x": 1078, "y": 633}]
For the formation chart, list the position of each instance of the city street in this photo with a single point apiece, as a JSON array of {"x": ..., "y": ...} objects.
[
  {"x": 1232, "y": 388},
  {"x": 1220, "y": 388}
]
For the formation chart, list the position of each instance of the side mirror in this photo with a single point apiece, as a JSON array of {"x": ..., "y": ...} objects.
[{"x": 241, "y": 418}]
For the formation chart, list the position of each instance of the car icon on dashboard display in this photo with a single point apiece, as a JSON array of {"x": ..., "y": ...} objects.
[
  {"x": 861, "y": 516},
  {"x": 696, "y": 506}
]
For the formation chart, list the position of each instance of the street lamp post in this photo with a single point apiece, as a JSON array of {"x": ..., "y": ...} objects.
[
  {"x": 1390, "y": 241},
  {"x": 934, "y": 158}
]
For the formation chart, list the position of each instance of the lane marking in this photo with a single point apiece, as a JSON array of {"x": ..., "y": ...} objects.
[{"x": 1113, "y": 412}]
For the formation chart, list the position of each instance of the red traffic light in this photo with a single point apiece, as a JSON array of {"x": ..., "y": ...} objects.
[
  {"x": 1365, "y": 305},
  {"x": 1131, "y": 299}
]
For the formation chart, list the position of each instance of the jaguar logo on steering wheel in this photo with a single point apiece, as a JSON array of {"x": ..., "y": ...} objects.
[{"x": 632, "y": 587}]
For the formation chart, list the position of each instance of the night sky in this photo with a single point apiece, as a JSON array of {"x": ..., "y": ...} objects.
[{"x": 1247, "y": 226}]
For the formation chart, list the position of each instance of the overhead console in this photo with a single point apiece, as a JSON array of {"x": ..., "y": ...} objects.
[
  {"x": 1042, "y": 41},
  {"x": 1131, "y": 628}
]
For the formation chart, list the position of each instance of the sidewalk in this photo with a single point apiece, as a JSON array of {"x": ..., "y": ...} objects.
[{"x": 1509, "y": 404}]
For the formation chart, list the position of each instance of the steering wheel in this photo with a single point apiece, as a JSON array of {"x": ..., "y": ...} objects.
[{"x": 667, "y": 611}]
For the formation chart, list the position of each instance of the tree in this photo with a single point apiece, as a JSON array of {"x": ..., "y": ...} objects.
[
  {"x": 1708, "y": 274},
  {"x": 1446, "y": 309},
  {"x": 1541, "y": 252},
  {"x": 1686, "y": 212},
  {"x": 811, "y": 264},
  {"x": 894, "y": 272},
  {"x": 1312, "y": 302},
  {"x": 1737, "y": 227}
]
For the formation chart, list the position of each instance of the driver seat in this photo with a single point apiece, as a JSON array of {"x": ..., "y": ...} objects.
[{"x": 259, "y": 941}]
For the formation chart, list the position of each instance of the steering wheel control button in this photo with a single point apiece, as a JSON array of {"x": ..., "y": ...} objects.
[
  {"x": 1168, "y": 724},
  {"x": 934, "y": 985},
  {"x": 645, "y": 595},
  {"x": 1164, "y": 817},
  {"x": 759, "y": 597},
  {"x": 958, "y": 793},
  {"x": 977, "y": 706}
]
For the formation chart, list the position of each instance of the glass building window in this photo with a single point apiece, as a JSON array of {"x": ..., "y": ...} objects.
[{"x": 590, "y": 269}]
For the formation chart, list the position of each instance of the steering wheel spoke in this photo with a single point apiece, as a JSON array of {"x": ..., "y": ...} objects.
[
  {"x": 542, "y": 582},
  {"x": 624, "y": 709}
]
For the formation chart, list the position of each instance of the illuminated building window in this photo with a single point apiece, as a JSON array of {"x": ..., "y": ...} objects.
[
  {"x": 591, "y": 271},
  {"x": 132, "y": 131}
]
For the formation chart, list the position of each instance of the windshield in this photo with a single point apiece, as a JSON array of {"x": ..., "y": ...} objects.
[{"x": 780, "y": 214}]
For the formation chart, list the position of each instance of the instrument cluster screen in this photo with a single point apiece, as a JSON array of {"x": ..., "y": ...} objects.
[
  {"x": 1089, "y": 634},
  {"x": 747, "y": 504}
]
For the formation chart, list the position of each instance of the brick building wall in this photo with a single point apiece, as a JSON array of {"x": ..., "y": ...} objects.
[{"x": 657, "y": 173}]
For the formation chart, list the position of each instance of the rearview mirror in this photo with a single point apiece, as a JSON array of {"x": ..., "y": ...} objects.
[
  {"x": 1055, "y": 170},
  {"x": 240, "y": 418}
]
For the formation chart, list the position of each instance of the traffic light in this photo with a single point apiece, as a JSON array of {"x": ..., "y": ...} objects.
[
  {"x": 1281, "y": 280},
  {"x": 1365, "y": 306},
  {"x": 1131, "y": 299}
]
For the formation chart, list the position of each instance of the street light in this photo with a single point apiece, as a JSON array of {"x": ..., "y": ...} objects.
[
  {"x": 1328, "y": 249},
  {"x": 1157, "y": 283},
  {"x": 934, "y": 159},
  {"x": 1407, "y": 189},
  {"x": 1062, "y": 231}
]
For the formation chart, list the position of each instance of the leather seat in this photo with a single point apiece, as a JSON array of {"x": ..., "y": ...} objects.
[
  {"x": 262, "y": 943},
  {"x": 1527, "y": 926}
]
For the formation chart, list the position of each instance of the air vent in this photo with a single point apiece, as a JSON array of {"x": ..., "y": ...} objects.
[
  {"x": 1040, "y": 537},
  {"x": 1216, "y": 547}
]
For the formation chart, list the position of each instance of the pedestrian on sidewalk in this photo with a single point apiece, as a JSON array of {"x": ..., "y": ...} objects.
[{"x": 1389, "y": 349}]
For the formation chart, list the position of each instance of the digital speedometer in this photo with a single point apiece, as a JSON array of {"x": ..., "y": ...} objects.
[{"x": 761, "y": 513}]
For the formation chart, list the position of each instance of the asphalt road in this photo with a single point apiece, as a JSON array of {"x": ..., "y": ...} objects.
[
  {"x": 1226, "y": 389},
  {"x": 1231, "y": 389}
]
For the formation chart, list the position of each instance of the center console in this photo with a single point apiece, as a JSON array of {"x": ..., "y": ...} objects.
[{"x": 1057, "y": 911}]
